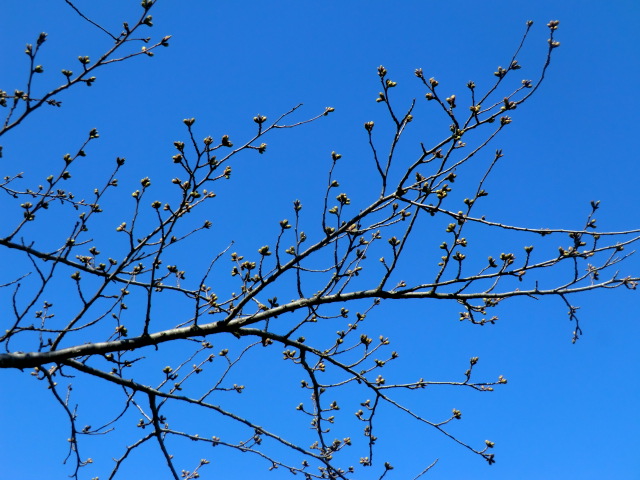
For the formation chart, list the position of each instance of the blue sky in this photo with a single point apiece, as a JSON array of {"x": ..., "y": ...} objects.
[{"x": 568, "y": 411}]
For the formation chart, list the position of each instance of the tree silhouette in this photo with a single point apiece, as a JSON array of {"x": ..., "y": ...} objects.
[{"x": 140, "y": 307}]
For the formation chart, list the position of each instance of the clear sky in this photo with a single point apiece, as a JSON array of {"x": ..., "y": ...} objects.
[{"x": 569, "y": 411}]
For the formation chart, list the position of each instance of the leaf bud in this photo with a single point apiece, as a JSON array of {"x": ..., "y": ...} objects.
[
  {"x": 500, "y": 73},
  {"x": 343, "y": 199},
  {"x": 394, "y": 242}
]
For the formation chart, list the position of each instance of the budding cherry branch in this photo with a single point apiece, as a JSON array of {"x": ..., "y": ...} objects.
[{"x": 132, "y": 298}]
